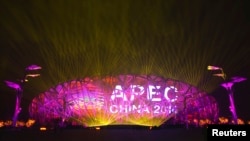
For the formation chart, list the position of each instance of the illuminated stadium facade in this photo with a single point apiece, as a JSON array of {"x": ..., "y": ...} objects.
[{"x": 146, "y": 100}]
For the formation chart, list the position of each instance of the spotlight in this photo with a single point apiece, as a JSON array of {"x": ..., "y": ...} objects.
[
  {"x": 228, "y": 86},
  {"x": 213, "y": 68},
  {"x": 237, "y": 79},
  {"x": 19, "y": 89},
  {"x": 33, "y": 67}
]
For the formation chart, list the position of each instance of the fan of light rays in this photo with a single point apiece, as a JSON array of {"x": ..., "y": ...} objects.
[
  {"x": 115, "y": 38},
  {"x": 145, "y": 100}
]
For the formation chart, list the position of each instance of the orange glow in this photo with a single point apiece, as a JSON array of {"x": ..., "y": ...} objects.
[
  {"x": 1, "y": 124},
  {"x": 30, "y": 122},
  {"x": 8, "y": 123},
  {"x": 43, "y": 128},
  {"x": 240, "y": 121},
  {"x": 223, "y": 120},
  {"x": 20, "y": 123}
]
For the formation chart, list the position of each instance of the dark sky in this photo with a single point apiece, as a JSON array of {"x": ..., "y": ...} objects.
[{"x": 175, "y": 39}]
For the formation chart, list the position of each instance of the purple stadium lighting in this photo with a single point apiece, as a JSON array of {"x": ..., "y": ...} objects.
[
  {"x": 13, "y": 85},
  {"x": 145, "y": 100},
  {"x": 33, "y": 67},
  {"x": 213, "y": 68},
  {"x": 228, "y": 86},
  {"x": 237, "y": 79},
  {"x": 19, "y": 89}
]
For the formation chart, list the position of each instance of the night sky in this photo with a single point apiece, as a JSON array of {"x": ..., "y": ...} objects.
[{"x": 175, "y": 39}]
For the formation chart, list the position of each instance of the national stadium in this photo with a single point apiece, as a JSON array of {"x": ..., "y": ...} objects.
[{"x": 145, "y": 100}]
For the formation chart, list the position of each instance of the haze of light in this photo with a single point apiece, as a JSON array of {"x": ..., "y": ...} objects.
[{"x": 75, "y": 39}]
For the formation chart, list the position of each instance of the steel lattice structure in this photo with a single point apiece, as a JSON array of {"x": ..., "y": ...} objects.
[{"x": 124, "y": 99}]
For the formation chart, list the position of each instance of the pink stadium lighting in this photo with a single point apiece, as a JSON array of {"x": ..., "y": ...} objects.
[
  {"x": 237, "y": 79},
  {"x": 145, "y": 100},
  {"x": 213, "y": 68},
  {"x": 228, "y": 86},
  {"x": 33, "y": 67},
  {"x": 13, "y": 85},
  {"x": 19, "y": 90}
]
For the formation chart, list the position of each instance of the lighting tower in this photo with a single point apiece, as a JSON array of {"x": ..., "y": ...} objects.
[
  {"x": 228, "y": 86},
  {"x": 19, "y": 89}
]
